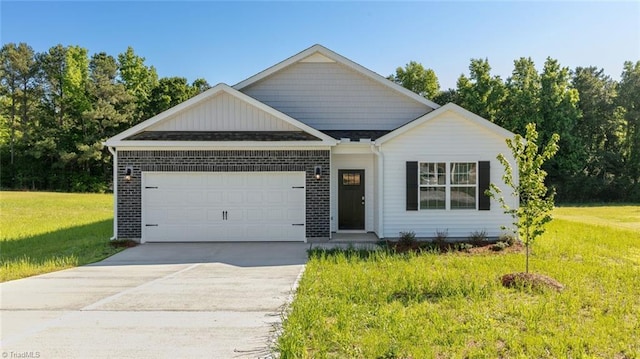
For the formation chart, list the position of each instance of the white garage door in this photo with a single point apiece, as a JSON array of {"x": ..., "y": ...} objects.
[{"x": 229, "y": 206}]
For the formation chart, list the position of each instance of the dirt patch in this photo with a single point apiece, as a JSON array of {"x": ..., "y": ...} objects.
[
  {"x": 123, "y": 243},
  {"x": 531, "y": 280}
]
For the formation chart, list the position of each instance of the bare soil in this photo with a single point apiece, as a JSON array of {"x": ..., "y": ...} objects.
[{"x": 531, "y": 280}]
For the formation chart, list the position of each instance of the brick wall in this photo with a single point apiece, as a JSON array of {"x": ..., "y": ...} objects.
[{"x": 317, "y": 191}]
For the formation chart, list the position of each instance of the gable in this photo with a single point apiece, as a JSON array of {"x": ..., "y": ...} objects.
[
  {"x": 451, "y": 121},
  {"x": 223, "y": 112},
  {"x": 330, "y": 96},
  {"x": 220, "y": 114}
]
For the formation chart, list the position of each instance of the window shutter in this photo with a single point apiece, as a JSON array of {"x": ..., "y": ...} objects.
[
  {"x": 412, "y": 186},
  {"x": 484, "y": 201}
]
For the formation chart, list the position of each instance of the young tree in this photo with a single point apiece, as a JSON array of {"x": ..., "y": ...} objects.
[{"x": 536, "y": 201}]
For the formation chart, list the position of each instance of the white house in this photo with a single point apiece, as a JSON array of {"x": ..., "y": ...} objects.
[{"x": 311, "y": 146}]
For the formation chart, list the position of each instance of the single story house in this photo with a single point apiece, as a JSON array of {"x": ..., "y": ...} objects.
[{"x": 314, "y": 145}]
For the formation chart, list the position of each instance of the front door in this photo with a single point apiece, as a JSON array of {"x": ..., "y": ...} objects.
[{"x": 351, "y": 199}]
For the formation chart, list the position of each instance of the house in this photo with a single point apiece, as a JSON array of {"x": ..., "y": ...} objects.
[{"x": 314, "y": 145}]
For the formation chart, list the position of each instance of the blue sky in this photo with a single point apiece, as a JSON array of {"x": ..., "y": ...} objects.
[{"x": 230, "y": 41}]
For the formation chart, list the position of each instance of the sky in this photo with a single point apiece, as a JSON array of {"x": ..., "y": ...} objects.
[{"x": 231, "y": 41}]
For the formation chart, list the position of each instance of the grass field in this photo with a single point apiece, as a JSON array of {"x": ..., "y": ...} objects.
[
  {"x": 45, "y": 232},
  {"x": 381, "y": 305}
]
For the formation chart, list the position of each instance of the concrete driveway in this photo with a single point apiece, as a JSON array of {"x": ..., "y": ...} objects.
[{"x": 188, "y": 300}]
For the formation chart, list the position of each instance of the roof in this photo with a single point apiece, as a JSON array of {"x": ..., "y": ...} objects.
[
  {"x": 222, "y": 136},
  {"x": 470, "y": 116},
  {"x": 323, "y": 51},
  {"x": 356, "y": 135},
  {"x": 126, "y": 136}
]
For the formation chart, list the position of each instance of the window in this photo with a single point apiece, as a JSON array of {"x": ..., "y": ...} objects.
[
  {"x": 351, "y": 179},
  {"x": 433, "y": 191},
  {"x": 448, "y": 185}
]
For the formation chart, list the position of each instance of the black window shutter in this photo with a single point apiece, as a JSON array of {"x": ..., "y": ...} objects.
[
  {"x": 412, "y": 186},
  {"x": 484, "y": 201}
]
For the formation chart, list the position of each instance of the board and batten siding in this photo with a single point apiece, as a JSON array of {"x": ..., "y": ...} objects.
[
  {"x": 447, "y": 138},
  {"x": 354, "y": 162},
  {"x": 330, "y": 96},
  {"x": 223, "y": 112}
]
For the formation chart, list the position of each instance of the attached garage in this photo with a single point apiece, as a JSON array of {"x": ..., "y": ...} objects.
[{"x": 223, "y": 206}]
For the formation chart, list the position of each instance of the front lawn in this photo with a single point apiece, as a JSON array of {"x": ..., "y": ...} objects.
[
  {"x": 44, "y": 232},
  {"x": 381, "y": 305}
]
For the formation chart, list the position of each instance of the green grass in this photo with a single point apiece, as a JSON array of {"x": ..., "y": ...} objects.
[
  {"x": 44, "y": 232},
  {"x": 381, "y": 305}
]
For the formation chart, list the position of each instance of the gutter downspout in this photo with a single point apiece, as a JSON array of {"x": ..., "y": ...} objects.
[
  {"x": 376, "y": 150},
  {"x": 115, "y": 192}
]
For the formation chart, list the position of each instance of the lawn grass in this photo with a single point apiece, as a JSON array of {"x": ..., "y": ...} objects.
[
  {"x": 44, "y": 232},
  {"x": 384, "y": 305}
]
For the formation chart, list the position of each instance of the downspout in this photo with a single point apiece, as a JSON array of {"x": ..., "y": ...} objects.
[
  {"x": 115, "y": 192},
  {"x": 376, "y": 150}
]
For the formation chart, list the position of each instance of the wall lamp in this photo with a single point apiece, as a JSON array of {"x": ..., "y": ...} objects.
[
  {"x": 127, "y": 174},
  {"x": 317, "y": 172}
]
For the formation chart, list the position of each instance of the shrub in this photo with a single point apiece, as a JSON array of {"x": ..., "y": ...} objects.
[
  {"x": 499, "y": 246},
  {"x": 407, "y": 238},
  {"x": 508, "y": 239},
  {"x": 478, "y": 237}
]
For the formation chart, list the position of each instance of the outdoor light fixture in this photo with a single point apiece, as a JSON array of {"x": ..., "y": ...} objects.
[
  {"x": 127, "y": 174},
  {"x": 317, "y": 172}
]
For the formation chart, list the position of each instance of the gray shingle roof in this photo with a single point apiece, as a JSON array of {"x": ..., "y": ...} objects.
[{"x": 222, "y": 136}]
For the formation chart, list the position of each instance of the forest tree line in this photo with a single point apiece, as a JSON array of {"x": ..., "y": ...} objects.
[{"x": 58, "y": 107}]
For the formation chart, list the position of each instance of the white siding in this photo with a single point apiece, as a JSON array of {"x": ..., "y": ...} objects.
[
  {"x": 330, "y": 96},
  {"x": 446, "y": 138},
  {"x": 353, "y": 162},
  {"x": 223, "y": 112}
]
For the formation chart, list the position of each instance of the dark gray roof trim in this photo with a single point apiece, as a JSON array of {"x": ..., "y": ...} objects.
[
  {"x": 356, "y": 135},
  {"x": 222, "y": 136}
]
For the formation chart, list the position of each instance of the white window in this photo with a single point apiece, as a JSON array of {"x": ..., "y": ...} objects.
[{"x": 448, "y": 185}]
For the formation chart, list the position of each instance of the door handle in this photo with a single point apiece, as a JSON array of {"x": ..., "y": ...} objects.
[{"x": 363, "y": 200}]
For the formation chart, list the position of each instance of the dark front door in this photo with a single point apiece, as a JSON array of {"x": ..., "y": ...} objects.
[{"x": 350, "y": 199}]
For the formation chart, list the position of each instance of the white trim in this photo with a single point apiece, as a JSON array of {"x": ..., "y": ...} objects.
[
  {"x": 319, "y": 49},
  {"x": 208, "y": 146},
  {"x": 470, "y": 116},
  {"x": 114, "y": 155},
  {"x": 217, "y": 144},
  {"x": 377, "y": 150},
  {"x": 117, "y": 139}
]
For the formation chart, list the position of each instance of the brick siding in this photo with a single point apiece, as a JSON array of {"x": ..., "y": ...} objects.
[{"x": 130, "y": 198}]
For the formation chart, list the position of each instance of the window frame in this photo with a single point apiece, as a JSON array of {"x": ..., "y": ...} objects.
[{"x": 448, "y": 184}]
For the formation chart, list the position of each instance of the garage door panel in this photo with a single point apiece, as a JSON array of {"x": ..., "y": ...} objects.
[{"x": 239, "y": 206}]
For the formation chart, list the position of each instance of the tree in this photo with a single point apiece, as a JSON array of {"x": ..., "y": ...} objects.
[
  {"x": 628, "y": 95},
  {"x": 169, "y": 92},
  {"x": 559, "y": 112},
  {"x": 522, "y": 101},
  {"x": 536, "y": 201},
  {"x": 139, "y": 80},
  {"x": 482, "y": 93},
  {"x": 601, "y": 122},
  {"x": 416, "y": 78}
]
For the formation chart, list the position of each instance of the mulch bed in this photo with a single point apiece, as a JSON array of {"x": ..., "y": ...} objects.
[{"x": 445, "y": 247}]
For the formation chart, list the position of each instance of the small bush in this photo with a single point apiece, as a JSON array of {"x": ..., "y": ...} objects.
[
  {"x": 463, "y": 247},
  {"x": 407, "y": 238},
  {"x": 500, "y": 246},
  {"x": 508, "y": 239},
  {"x": 441, "y": 236},
  {"x": 478, "y": 237}
]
